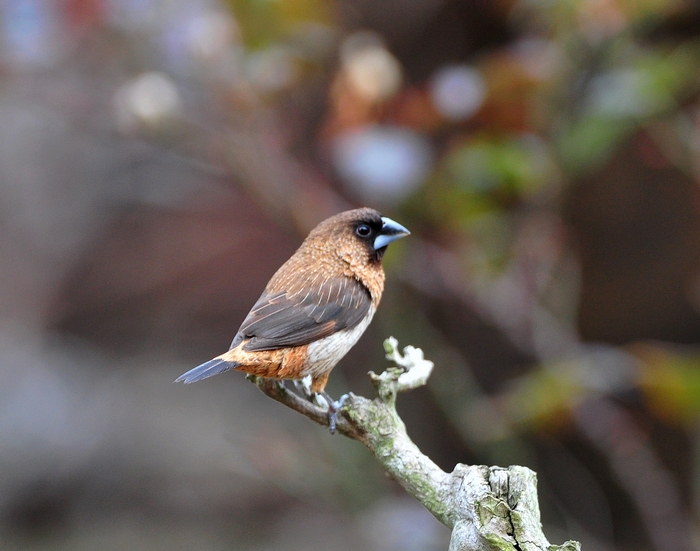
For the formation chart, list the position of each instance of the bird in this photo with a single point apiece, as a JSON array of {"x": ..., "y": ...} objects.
[{"x": 315, "y": 307}]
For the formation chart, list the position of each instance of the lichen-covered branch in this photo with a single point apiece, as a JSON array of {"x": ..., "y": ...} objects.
[{"x": 487, "y": 508}]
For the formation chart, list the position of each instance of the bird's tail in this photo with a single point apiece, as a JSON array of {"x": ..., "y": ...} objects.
[{"x": 207, "y": 369}]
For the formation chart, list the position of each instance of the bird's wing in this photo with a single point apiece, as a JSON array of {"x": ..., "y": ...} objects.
[{"x": 281, "y": 319}]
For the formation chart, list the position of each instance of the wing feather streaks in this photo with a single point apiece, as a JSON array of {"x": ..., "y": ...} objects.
[{"x": 281, "y": 319}]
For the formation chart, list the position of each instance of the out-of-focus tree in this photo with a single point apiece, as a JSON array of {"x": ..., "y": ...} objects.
[{"x": 545, "y": 157}]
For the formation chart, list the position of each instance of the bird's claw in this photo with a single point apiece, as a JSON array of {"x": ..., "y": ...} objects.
[
  {"x": 333, "y": 409},
  {"x": 323, "y": 400}
]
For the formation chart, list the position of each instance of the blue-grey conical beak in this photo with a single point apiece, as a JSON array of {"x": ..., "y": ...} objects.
[{"x": 391, "y": 231}]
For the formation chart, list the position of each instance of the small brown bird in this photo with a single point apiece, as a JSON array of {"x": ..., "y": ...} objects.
[{"x": 316, "y": 306}]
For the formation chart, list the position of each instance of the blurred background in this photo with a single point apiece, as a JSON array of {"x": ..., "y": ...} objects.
[{"x": 159, "y": 159}]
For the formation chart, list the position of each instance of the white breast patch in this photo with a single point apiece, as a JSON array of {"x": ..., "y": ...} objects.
[{"x": 323, "y": 354}]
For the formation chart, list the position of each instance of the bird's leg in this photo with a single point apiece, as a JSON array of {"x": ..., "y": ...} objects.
[
  {"x": 322, "y": 399},
  {"x": 333, "y": 408}
]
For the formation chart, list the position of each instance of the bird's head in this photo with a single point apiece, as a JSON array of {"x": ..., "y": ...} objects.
[{"x": 361, "y": 231}]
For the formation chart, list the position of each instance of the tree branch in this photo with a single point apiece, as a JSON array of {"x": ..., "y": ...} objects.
[{"x": 487, "y": 508}]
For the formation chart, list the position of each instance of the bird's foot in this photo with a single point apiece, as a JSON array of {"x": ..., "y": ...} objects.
[
  {"x": 333, "y": 408},
  {"x": 323, "y": 400}
]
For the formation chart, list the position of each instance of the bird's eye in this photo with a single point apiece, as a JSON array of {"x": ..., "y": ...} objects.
[{"x": 363, "y": 231}]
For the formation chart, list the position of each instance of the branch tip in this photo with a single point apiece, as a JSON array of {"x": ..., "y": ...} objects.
[{"x": 413, "y": 369}]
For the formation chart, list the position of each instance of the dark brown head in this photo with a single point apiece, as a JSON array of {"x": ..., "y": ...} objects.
[
  {"x": 362, "y": 232},
  {"x": 350, "y": 244}
]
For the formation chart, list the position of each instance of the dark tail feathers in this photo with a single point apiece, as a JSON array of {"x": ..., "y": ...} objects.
[{"x": 207, "y": 369}]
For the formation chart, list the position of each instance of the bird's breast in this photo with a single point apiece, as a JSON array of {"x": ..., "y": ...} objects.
[{"x": 325, "y": 353}]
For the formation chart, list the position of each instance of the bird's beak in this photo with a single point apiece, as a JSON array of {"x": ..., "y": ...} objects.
[{"x": 391, "y": 231}]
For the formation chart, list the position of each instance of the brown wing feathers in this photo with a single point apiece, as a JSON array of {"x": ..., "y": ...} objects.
[{"x": 281, "y": 319}]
